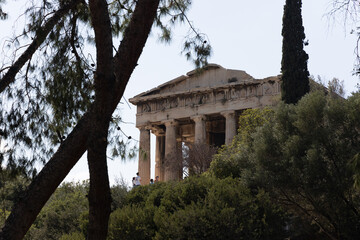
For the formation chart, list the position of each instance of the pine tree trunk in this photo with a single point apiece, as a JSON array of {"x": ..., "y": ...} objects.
[
  {"x": 34, "y": 198},
  {"x": 99, "y": 193}
]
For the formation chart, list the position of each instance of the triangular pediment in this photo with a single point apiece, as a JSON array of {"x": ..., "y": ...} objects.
[{"x": 212, "y": 76}]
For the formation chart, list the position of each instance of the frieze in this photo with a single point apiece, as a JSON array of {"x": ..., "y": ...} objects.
[{"x": 212, "y": 96}]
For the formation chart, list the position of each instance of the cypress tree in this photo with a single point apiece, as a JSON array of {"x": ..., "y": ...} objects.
[{"x": 295, "y": 74}]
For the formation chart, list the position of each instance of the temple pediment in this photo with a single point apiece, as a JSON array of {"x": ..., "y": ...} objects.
[
  {"x": 210, "y": 91},
  {"x": 211, "y": 77}
]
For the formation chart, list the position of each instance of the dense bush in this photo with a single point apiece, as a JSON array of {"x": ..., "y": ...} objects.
[
  {"x": 230, "y": 160},
  {"x": 65, "y": 216},
  {"x": 197, "y": 208},
  {"x": 73, "y": 236},
  {"x": 304, "y": 156}
]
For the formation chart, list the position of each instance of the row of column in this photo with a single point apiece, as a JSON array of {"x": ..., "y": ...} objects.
[{"x": 166, "y": 145}]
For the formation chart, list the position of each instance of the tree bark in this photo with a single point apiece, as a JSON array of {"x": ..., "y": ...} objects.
[
  {"x": 34, "y": 198},
  {"x": 144, "y": 14},
  {"x": 99, "y": 193}
]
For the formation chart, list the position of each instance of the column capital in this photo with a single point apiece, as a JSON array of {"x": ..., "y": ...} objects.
[
  {"x": 155, "y": 129},
  {"x": 198, "y": 118},
  {"x": 146, "y": 126},
  {"x": 170, "y": 122},
  {"x": 227, "y": 114},
  {"x": 158, "y": 132}
]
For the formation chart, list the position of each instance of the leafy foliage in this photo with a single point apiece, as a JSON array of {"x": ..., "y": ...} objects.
[
  {"x": 72, "y": 236},
  {"x": 227, "y": 162},
  {"x": 303, "y": 157},
  {"x": 197, "y": 208},
  {"x": 11, "y": 186},
  {"x": 65, "y": 216},
  {"x": 65, "y": 213},
  {"x": 118, "y": 194}
]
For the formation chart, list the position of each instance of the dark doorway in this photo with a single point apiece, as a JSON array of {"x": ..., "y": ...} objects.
[{"x": 217, "y": 139}]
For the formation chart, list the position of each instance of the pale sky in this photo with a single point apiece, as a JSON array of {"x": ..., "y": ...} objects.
[{"x": 245, "y": 35}]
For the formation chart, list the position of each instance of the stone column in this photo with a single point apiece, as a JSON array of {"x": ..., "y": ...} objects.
[
  {"x": 171, "y": 173},
  {"x": 230, "y": 126},
  {"x": 200, "y": 129},
  {"x": 159, "y": 155},
  {"x": 144, "y": 155}
]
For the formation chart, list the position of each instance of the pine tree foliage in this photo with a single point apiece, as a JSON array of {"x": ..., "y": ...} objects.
[
  {"x": 295, "y": 74},
  {"x": 59, "y": 99},
  {"x": 56, "y": 84},
  {"x": 53, "y": 89}
]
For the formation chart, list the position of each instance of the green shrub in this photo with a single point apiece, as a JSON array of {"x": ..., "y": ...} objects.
[
  {"x": 131, "y": 222},
  {"x": 305, "y": 156},
  {"x": 63, "y": 213},
  {"x": 73, "y": 236},
  {"x": 197, "y": 208}
]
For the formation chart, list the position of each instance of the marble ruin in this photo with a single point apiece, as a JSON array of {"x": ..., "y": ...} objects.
[{"x": 201, "y": 107}]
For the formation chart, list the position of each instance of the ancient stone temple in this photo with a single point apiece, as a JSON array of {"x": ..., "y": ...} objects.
[{"x": 199, "y": 107}]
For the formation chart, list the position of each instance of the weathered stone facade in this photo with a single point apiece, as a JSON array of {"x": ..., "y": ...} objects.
[{"x": 199, "y": 107}]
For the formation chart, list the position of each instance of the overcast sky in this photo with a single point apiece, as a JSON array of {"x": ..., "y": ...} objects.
[{"x": 245, "y": 35}]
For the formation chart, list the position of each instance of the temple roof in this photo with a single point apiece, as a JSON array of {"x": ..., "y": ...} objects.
[{"x": 210, "y": 77}]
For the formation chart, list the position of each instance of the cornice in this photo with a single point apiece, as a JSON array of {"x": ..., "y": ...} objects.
[{"x": 245, "y": 83}]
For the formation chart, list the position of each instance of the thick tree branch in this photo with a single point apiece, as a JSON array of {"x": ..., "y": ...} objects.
[
  {"x": 135, "y": 35},
  {"x": 9, "y": 77},
  {"x": 29, "y": 205}
]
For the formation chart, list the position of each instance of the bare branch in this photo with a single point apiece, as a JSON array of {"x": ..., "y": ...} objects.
[
  {"x": 191, "y": 159},
  {"x": 349, "y": 9}
]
